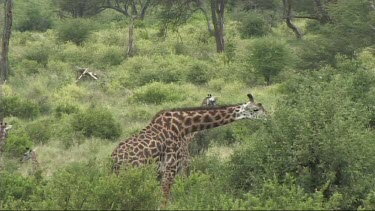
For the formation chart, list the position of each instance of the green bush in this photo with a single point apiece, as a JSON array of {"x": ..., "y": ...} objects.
[
  {"x": 318, "y": 135},
  {"x": 138, "y": 71},
  {"x": 97, "y": 122},
  {"x": 16, "y": 143},
  {"x": 158, "y": 93},
  {"x": 253, "y": 24},
  {"x": 40, "y": 130},
  {"x": 39, "y": 52},
  {"x": 65, "y": 108},
  {"x": 198, "y": 73},
  {"x": 201, "y": 192},
  {"x": 89, "y": 186},
  {"x": 34, "y": 16},
  {"x": 288, "y": 196},
  {"x": 134, "y": 189},
  {"x": 14, "y": 186},
  {"x": 74, "y": 30},
  {"x": 15, "y": 106},
  {"x": 269, "y": 57}
]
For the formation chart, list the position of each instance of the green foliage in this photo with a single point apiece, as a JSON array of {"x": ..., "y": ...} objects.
[
  {"x": 14, "y": 186},
  {"x": 197, "y": 73},
  {"x": 40, "y": 130},
  {"x": 87, "y": 186},
  {"x": 74, "y": 30},
  {"x": 201, "y": 192},
  {"x": 97, "y": 122},
  {"x": 157, "y": 93},
  {"x": 39, "y": 52},
  {"x": 269, "y": 56},
  {"x": 138, "y": 71},
  {"x": 318, "y": 135},
  {"x": 287, "y": 196},
  {"x": 34, "y": 17},
  {"x": 66, "y": 108},
  {"x": 16, "y": 143},
  {"x": 16, "y": 106},
  {"x": 77, "y": 8},
  {"x": 254, "y": 25},
  {"x": 134, "y": 188}
]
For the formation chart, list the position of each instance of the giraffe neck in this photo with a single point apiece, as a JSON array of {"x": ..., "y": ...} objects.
[
  {"x": 2, "y": 133},
  {"x": 2, "y": 137},
  {"x": 185, "y": 121}
]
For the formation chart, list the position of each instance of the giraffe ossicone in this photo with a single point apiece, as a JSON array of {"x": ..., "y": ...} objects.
[{"x": 164, "y": 138}]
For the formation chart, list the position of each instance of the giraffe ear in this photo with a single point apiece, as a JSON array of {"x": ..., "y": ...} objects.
[{"x": 251, "y": 98}]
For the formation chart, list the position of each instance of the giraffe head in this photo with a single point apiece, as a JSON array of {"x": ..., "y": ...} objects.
[
  {"x": 27, "y": 155},
  {"x": 251, "y": 110}
]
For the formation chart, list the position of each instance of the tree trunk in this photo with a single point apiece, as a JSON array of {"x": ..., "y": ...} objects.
[
  {"x": 287, "y": 15},
  {"x": 8, "y": 19},
  {"x": 217, "y": 10},
  {"x": 131, "y": 49}
]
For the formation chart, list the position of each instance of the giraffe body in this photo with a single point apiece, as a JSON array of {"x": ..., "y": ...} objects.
[{"x": 163, "y": 140}]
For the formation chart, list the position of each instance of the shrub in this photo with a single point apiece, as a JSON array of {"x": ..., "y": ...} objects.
[
  {"x": 318, "y": 135},
  {"x": 201, "y": 192},
  {"x": 134, "y": 189},
  {"x": 97, "y": 122},
  {"x": 197, "y": 73},
  {"x": 16, "y": 143},
  {"x": 74, "y": 30},
  {"x": 34, "y": 17},
  {"x": 14, "y": 106},
  {"x": 66, "y": 108},
  {"x": 88, "y": 186},
  {"x": 276, "y": 196},
  {"x": 270, "y": 56},
  {"x": 253, "y": 24},
  {"x": 158, "y": 93},
  {"x": 39, "y": 52},
  {"x": 14, "y": 186},
  {"x": 40, "y": 130},
  {"x": 138, "y": 71}
]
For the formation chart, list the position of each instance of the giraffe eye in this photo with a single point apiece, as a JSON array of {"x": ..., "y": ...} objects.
[{"x": 256, "y": 109}]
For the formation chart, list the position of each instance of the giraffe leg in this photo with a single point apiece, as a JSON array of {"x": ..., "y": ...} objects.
[
  {"x": 169, "y": 174},
  {"x": 168, "y": 180}
]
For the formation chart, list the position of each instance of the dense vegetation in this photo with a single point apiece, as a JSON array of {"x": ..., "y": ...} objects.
[{"x": 315, "y": 151}]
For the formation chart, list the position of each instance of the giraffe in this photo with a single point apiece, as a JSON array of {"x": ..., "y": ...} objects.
[
  {"x": 4, "y": 128},
  {"x": 33, "y": 156},
  {"x": 161, "y": 140},
  {"x": 208, "y": 101}
]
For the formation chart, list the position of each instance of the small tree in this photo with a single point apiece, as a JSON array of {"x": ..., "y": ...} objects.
[{"x": 269, "y": 57}]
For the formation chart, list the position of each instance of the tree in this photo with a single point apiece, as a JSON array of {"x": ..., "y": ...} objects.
[
  {"x": 78, "y": 8},
  {"x": 288, "y": 19},
  {"x": 269, "y": 57},
  {"x": 8, "y": 19},
  {"x": 176, "y": 13},
  {"x": 132, "y": 9},
  {"x": 217, "y": 14}
]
